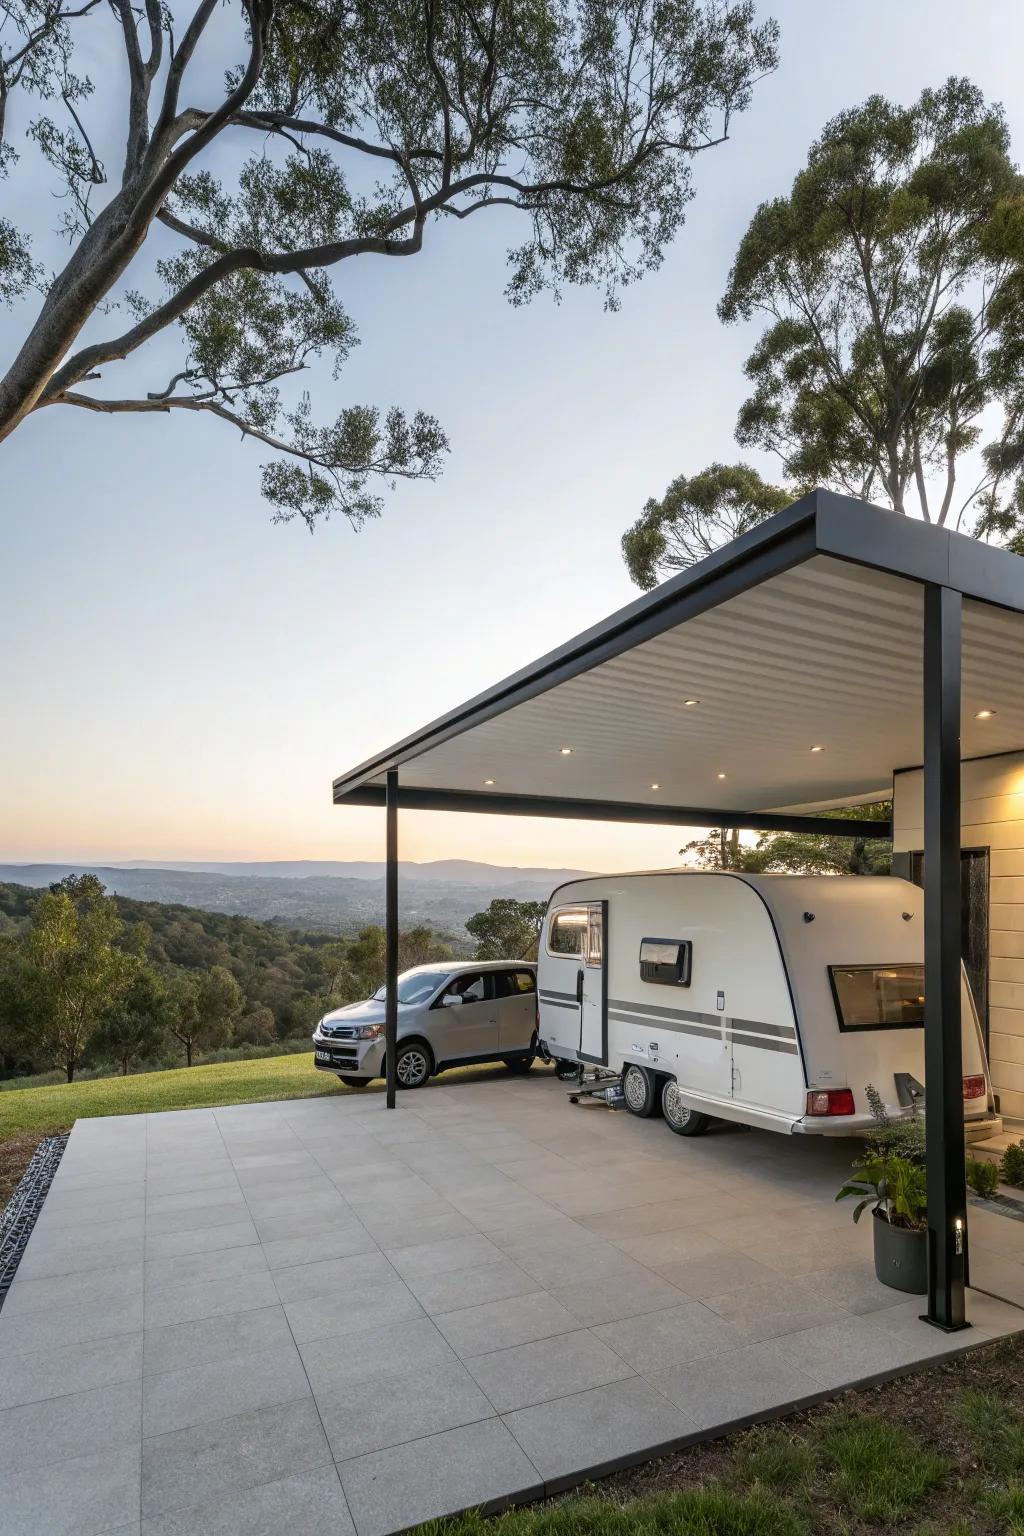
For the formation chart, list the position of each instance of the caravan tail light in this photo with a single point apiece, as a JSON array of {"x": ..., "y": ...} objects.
[
  {"x": 974, "y": 1086},
  {"x": 830, "y": 1101}
]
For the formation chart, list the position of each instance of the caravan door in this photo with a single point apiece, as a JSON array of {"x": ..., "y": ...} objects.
[{"x": 592, "y": 986}]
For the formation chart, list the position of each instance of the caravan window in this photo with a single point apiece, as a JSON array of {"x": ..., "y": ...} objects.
[
  {"x": 878, "y": 996},
  {"x": 567, "y": 931}
]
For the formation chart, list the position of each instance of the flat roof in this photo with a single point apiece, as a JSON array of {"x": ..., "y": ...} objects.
[{"x": 805, "y": 633}]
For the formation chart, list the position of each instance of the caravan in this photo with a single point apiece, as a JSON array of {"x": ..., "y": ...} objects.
[{"x": 774, "y": 1000}]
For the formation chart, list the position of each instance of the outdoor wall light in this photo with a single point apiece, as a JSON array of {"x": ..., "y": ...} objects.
[{"x": 984, "y": 714}]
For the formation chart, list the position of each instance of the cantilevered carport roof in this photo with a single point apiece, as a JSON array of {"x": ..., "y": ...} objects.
[{"x": 804, "y": 633}]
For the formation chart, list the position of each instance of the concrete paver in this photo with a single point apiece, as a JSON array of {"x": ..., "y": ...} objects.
[{"x": 320, "y": 1317}]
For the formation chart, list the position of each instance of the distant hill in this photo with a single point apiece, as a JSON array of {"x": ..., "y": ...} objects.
[
  {"x": 461, "y": 871},
  {"x": 324, "y": 895}
]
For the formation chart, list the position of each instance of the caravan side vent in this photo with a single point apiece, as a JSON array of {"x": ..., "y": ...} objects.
[{"x": 666, "y": 961}]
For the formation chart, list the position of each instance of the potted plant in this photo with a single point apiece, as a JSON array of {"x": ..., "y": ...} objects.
[{"x": 890, "y": 1179}]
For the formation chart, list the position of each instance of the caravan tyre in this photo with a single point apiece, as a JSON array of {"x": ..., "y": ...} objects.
[
  {"x": 566, "y": 1071},
  {"x": 679, "y": 1117},
  {"x": 639, "y": 1091}
]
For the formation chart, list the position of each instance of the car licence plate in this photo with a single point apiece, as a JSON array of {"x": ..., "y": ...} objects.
[{"x": 322, "y": 1056}]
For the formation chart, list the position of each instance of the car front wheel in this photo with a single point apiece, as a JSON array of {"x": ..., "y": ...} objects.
[
  {"x": 353, "y": 1082},
  {"x": 412, "y": 1065},
  {"x": 679, "y": 1117}
]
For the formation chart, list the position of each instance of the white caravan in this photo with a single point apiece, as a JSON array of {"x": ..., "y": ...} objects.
[{"x": 774, "y": 1000}]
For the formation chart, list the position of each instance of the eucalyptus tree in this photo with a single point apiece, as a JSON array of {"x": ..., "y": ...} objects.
[
  {"x": 694, "y": 517},
  {"x": 341, "y": 131},
  {"x": 890, "y": 282}
]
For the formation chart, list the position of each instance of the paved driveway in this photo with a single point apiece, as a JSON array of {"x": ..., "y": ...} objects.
[{"x": 316, "y": 1316}]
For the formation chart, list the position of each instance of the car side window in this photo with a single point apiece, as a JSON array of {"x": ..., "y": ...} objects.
[
  {"x": 471, "y": 988},
  {"x": 524, "y": 981}
]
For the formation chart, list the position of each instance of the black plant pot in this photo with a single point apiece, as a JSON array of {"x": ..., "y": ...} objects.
[{"x": 901, "y": 1257}]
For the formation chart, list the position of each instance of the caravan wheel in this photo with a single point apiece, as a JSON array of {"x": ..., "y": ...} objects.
[
  {"x": 639, "y": 1091},
  {"x": 679, "y": 1117}
]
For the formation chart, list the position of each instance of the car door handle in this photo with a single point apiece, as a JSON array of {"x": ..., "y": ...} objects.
[{"x": 579, "y": 987}]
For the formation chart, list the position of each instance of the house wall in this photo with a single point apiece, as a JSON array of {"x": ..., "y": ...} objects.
[{"x": 993, "y": 818}]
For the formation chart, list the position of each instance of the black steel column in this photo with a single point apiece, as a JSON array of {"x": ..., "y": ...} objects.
[
  {"x": 391, "y": 934},
  {"x": 943, "y": 1069}
]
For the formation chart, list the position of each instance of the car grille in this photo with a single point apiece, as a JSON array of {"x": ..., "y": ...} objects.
[{"x": 338, "y": 1031}]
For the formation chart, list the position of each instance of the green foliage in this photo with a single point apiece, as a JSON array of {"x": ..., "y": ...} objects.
[
  {"x": 903, "y": 1138},
  {"x": 995, "y": 1432},
  {"x": 890, "y": 282},
  {"x": 1011, "y": 1167},
  {"x": 369, "y": 127},
  {"x": 288, "y": 980},
  {"x": 707, "y": 1511},
  {"x": 775, "y": 1460},
  {"x": 891, "y": 1176},
  {"x": 877, "y": 1469},
  {"x": 79, "y": 973},
  {"x": 136, "y": 1025},
  {"x": 694, "y": 517},
  {"x": 892, "y": 1186},
  {"x": 203, "y": 1007},
  {"x": 508, "y": 930},
  {"x": 982, "y": 1177}
]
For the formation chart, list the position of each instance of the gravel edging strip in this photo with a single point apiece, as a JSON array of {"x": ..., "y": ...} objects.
[{"x": 21, "y": 1211}]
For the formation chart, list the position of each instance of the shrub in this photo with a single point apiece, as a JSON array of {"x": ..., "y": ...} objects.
[
  {"x": 982, "y": 1177},
  {"x": 895, "y": 1138},
  {"x": 1011, "y": 1169}
]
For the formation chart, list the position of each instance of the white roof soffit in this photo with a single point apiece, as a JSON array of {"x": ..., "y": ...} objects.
[{"x": 825, "y": 654}]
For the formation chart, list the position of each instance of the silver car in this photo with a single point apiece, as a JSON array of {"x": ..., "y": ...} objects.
[{"x": 448, "y": 1015}]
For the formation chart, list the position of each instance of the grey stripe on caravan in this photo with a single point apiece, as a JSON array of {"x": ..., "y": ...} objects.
[
  {"x": 554, "y": 1002},
  {"x": 550, "y": 995},
  {"x": 665, "y": 1012},
  {"x": 784, "y": 1031},
  {"x": 704, "y": 1032}
]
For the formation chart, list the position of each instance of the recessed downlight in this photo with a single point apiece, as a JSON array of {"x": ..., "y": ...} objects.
[
  {"x": 488, "y": 781},
  {"x": 721, "y": 775},
  {"x": 817, "y": 749},
  {"x": 566, "y": 751},
  {"x": 655, "y": 786},
  {"x": 984, "y": 714},
  {"x": 690, "y": 703}
]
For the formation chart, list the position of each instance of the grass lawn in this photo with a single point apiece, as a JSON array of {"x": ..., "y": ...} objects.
[
  {"x": 937, "y": 1453},
  {"x": 44, "y": 1111}
]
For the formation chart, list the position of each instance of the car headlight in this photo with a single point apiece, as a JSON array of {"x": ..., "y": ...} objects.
[{"x": 369, "y": 1031}]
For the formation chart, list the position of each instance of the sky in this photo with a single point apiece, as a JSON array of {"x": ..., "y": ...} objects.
[{"x": 182, "y": 679}]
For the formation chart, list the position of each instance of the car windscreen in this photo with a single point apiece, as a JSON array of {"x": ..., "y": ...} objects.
[
  {"x": 878, "y": 996},
  {"x": 414, "y": 986}
]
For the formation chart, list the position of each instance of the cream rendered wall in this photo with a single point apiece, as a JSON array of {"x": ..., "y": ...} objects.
[{"x": 993, "y": 817}]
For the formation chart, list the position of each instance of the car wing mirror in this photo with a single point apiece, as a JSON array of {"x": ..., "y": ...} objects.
[{"x": 451, "y": 1000}]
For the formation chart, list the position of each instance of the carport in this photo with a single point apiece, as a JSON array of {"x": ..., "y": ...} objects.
[{"x": 793, "y": 671}]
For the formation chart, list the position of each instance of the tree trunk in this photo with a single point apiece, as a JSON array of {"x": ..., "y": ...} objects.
[
  {"x": 124, "y": 1066},
  {"x": 188, "y": 1053},
  {"x": 69, "y": 1068}
]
